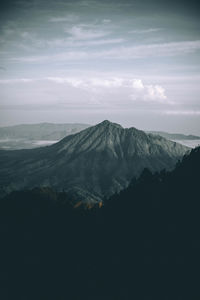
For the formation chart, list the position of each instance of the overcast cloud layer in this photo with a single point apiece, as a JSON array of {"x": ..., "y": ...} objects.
[{"x": 133, "y": 62}]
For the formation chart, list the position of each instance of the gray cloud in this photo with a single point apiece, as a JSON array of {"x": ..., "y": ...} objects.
[
  {"x": 68, "y": 18},
  {"x": 124, "y": 53},
  {"x": 149, "y": 30}
]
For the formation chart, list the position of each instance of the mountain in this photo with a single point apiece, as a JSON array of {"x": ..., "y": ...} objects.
[
  {"x": 90, "y": 165},
  {"x": 27, "y": 136},
  {"x": 175, "y": 136}
]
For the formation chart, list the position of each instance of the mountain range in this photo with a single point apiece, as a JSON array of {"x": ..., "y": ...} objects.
[
  {"x": 90, "y": 165},
  {"x": 175, "y": 136},
  {"x": 29, "y": 136},
  {"x": 41, "y": 131}
]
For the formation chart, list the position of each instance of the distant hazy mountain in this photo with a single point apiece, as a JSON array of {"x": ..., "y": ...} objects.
[
  {"x": 28, "y": 136},
  {"x": 89, "y": 165},
  {"x": 41, "y": 131},
  {"x": 175, "y": 136}
]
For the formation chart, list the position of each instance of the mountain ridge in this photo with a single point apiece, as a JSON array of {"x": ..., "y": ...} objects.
[
  {"x": 175, "y": 136},
  {"x": 43, "y": 130},
  {"x": 100, "y": 161},
  {"x": 30, "y": 136}
]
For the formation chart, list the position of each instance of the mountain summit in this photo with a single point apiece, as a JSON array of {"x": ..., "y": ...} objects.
[{"x": 90, "y": 165}]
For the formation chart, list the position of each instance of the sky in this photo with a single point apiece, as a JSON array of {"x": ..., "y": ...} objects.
[{"x": 134, "y": 62}]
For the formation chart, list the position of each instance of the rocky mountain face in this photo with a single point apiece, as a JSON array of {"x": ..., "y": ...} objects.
[{"x": 90, "y": 165}]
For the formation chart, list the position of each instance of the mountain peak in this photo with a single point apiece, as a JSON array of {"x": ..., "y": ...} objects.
[{"x": 107, "y": 123}]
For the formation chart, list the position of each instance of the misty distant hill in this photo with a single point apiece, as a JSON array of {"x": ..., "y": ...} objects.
[
  {"x": 28, "y": 136},
  {"x": 41, "y": 131},
  {"x": 90, "y": 165},
  {"x": 175, "y": 136},
  {"x": 55, "y": 131}
]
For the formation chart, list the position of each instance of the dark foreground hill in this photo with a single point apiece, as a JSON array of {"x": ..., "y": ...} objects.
[
  {"x": 90, "y": 165},
  {"x": 142, "y": 244}
]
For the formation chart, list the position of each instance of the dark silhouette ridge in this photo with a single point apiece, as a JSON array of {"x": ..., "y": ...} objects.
[{"x": 142, "y": 244}]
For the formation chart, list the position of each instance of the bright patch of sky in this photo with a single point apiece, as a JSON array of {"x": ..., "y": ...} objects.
[{"x": 133, "y": 62}]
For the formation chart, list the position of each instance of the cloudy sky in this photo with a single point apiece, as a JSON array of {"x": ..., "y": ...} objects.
[{"x": 135, "y": 62}]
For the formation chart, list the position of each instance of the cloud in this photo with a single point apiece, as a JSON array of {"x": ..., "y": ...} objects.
[
  {"x": 134, "y": 89},
  {"x": 78, "y": 36},
  {"x": 182, "y": 112},
  {"x": 148, "y": 92},
  {"x": 102, "y": 42},
  {"x": 26, "y": 35},
  {"x": 75, "y": 43},
  {"x": 82, "y": 32},
  {"x": 105, "y": 21},
  {"x": 152, "y": 50},
  {"x": 64, "y": 56},
  {"x": 88, "y": 84},
  {"x": 137, "y": 84},
  {"x": 156, "y": 92},
  {"x": 8, "y": 31},
  {"x": 122, "y": 53},
  {"x": 131, "y": 89},
  {"x": 67, "y": 18},
  {"x": 92, "y": 82},
  {"x": 20, "y": 80},
  {"x": 149, "y": 30},
  {"x": 74, "y": 82}
]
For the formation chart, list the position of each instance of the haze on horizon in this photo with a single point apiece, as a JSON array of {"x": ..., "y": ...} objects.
[{"x": 132, "y": 62}]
